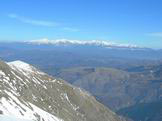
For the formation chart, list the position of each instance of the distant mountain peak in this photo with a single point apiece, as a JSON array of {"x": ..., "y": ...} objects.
[{"x": 82, "y": 42}]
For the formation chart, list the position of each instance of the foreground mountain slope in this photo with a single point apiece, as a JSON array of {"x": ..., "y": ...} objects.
[{"x": 25, "y": 92}]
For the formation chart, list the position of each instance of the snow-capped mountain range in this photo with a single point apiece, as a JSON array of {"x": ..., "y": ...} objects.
[
  {"x": 26, "y": 93},
  {"x": 81, "y": 42}
]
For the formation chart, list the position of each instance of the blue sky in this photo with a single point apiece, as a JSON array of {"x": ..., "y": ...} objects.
[{"x": 122, "y": 21}]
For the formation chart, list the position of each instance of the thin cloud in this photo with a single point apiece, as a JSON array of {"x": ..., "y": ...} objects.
[
  {"x": 33, "y": 21},
  {"x": 155, "y": 34},
  {"x": 70, "y": 29}
]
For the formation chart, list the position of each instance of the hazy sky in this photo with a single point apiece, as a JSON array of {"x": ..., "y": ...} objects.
[{"x": 123, "y": 21}]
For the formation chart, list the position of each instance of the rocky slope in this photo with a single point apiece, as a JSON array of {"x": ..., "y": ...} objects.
[{"x": 28, "y": 93}]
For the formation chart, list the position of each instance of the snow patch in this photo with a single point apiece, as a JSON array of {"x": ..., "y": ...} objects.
[
  {"x": 24, "y": 68},
  {"x": 2, "y": 73},
  {"x": 21, "y": 65},
  {"x": 23, "y": 110}
]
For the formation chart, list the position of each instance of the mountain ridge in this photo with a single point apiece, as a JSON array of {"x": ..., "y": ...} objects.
[{"x": 117, "y": 88}]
